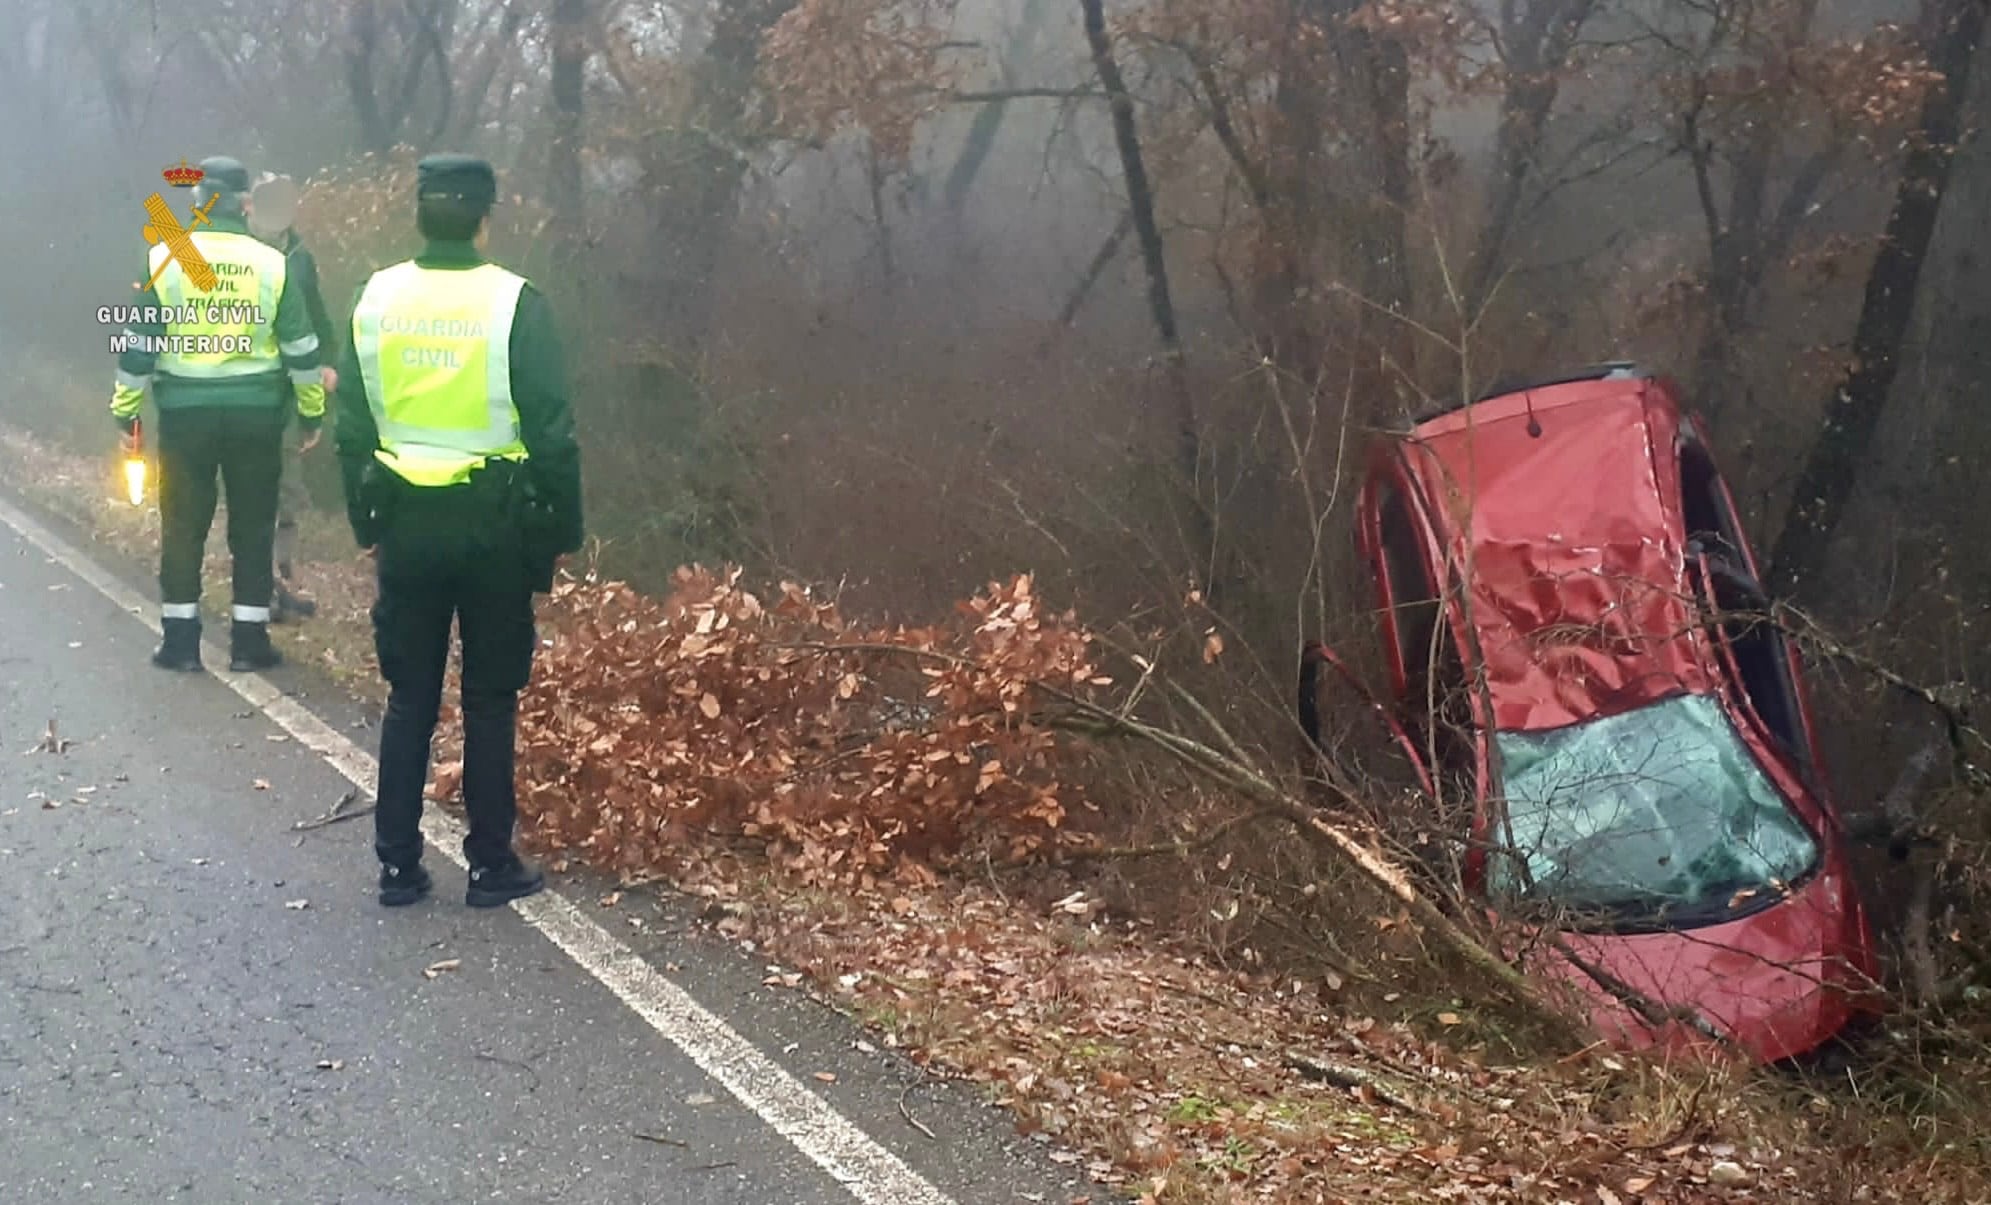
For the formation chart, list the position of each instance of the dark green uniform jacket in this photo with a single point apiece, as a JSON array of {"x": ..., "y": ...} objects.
[
  {"x": 539, "y": 391},
  {"x": 303, "y": 272},
  {"x": 294, "y": 321}
]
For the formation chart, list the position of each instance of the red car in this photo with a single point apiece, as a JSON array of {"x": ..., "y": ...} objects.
[{"x": 1640, "y": 755}]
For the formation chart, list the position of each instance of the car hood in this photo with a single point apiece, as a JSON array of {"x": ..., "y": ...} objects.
[{"x": 1777, "y": 983}]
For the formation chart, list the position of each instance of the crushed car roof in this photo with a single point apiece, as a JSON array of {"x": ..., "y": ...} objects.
[{"x": 1576, "y": 550}]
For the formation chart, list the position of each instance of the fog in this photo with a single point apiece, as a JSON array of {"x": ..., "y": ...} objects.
[{"x": 817, "y": 272}]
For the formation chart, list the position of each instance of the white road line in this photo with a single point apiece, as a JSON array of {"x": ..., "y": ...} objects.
[{"x": 871, "y": 1173}]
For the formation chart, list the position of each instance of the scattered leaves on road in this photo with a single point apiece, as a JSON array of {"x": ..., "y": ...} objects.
[{"x": 437, "y": 969}]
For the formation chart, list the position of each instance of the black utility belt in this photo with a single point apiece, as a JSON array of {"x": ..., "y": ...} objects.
[
  {"x": 496, "y": 476},
  {"x": 246, "y": 381},
  {"x": 499, "y": 486}
]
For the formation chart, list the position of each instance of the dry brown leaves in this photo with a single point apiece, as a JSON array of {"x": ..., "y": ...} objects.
[
  {"x": 873, "y": 64},
  {"x": 1174, "y": 1078},
  {"x": 656, "y": 724}
]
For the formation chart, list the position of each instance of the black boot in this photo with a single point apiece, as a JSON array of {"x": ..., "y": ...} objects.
[
  {"x": 501, "y": 883},
  {"x": 287, "y": 606},
  {"x": 180, "y": 649},
  {"x": 403, "y": 885},
  {"x": 249, "y": 648}
]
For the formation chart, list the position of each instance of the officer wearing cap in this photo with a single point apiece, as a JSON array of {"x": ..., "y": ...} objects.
[
  {"x": 223, "y": 365},
  {"x": 462, "y": 477},
  {"x": 272, "y": 218}
]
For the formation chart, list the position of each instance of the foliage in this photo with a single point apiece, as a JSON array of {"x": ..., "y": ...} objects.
[
  {"x": 710, "y": 712},
  {"x": 872, "y": 65}
]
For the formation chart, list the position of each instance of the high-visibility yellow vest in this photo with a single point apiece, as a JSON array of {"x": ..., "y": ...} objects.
[
  {"x": 233, "y": 332},
  {"x": 434, "y": 347}
]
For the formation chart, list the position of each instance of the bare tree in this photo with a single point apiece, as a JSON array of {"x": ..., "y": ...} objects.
[
  {"x": 1535, "y": 39},
  {"x": 1955, "y": 29},
  {"x": 1147, "y": 230},
  {"x": 563, "y": 169},
  {"x": 397, "y": 57}
]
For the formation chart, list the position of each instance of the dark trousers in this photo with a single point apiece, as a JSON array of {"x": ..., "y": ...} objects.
[
  {"x": 292, "y": 500},
  {"x": 243, "y": 447},
  {"x": 449, "y": 555}
]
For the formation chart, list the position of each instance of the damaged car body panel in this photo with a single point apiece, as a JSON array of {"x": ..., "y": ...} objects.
[{"x": 1640, "y": 746}]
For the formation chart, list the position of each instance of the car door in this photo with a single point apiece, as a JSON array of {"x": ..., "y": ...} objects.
[
  {"x": 1759, "y": 659},
  {"x": 1422, "y": 651}
]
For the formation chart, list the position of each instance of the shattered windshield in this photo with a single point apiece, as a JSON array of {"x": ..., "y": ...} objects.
[{"x": 1656, "y": 815}]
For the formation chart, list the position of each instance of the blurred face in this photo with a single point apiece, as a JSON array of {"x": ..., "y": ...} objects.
[{"x": 276, "y": 199}]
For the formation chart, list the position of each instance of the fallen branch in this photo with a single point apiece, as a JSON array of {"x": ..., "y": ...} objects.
[
  {"x": 1690, "y": 1122},
  {"x": 1647, "y": 1009},
  {"x": 1084, "y": 717},
  {"x": 1951, "y": 701},
  {"x": 912, "y": 1121},
  {"x": 336, "y": 814},
  {"x": 1172, "y": 848},
  {"x": 1088, "y": 717},
  {"x": 1343, "y": 1075}
]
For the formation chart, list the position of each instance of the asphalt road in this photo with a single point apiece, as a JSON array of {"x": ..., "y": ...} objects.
[{"x": 199, "y": 1003}]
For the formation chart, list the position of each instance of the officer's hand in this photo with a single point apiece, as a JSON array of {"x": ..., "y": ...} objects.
[
  {"x": 310, "y": 440},
  {"x": 330, "y": 376}
]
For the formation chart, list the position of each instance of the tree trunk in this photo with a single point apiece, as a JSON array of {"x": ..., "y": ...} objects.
[
  {"x": 497, "y": 49},
  {"x": 982, "y": 132},
  {"x": 563, "y": 161},
  {"x": 1147, "y": 233},
  {"x": 1287, "y": 186},
  {"x": 1539, "y": 42},
  {"x": 698, "y": 192},
  {"x": 1389, "y": 99},
  {"x": 424, "y": 43},
  {"x": 1747, "y": 240},
  {"x": 1389, "y": 347},
  {"x": 1825, "y": 484}
]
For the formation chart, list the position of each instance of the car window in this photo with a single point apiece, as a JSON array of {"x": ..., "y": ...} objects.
[
  {"x": 1439, "y": 707},
  {"x": 1762, "y": 657},
  {"x": 1413, "y": 594},
  {"x": 1658, "y": 814}
]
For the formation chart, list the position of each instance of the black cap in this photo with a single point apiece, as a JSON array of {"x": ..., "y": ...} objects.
[
  {"x": 464, "y": 176},
  {"x": 219, "y": 173}
]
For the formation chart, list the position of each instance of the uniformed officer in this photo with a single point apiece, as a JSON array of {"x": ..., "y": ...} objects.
[
  {"x": 223, "y": 366},
  {"x": 272, "y": 218},
  {"x": 462, "y": 476}
]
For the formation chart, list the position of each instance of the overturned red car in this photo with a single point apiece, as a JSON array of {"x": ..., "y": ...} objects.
[{"x": 1573, "y": 631}]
